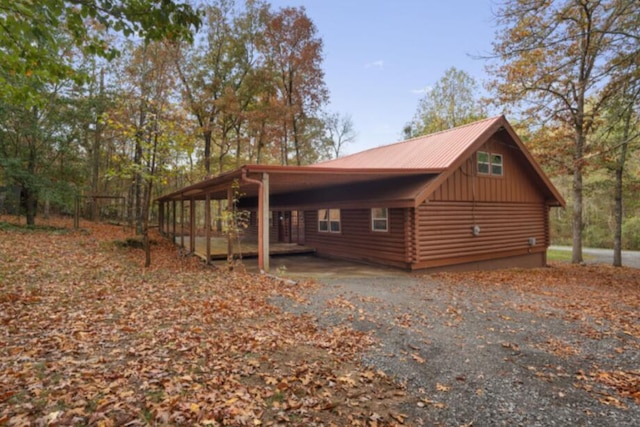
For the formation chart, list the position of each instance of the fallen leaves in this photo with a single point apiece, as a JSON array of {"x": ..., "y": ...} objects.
[
  {"x": 626, "y": 383},
  {"x": 600, "y": 302},
  {"x": 91, "y": 338}
]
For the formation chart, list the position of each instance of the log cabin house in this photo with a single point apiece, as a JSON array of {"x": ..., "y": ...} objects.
[{"x": 472, "y": 197}]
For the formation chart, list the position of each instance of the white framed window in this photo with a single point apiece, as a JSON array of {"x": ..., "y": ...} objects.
[
  {"x": 496, "y": 164},
  {"x": 484, "y": 164},
  {"x": 329, "y": 220},
  {"x": 380, "y": 219},
  {"x": 489, "y": 163}
]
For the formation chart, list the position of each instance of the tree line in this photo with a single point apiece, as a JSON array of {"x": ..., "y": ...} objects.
[
  {"x": 132, "y": 98},
  {"x": 124, "y": 105},
  {"x": 568, "y": 73}
]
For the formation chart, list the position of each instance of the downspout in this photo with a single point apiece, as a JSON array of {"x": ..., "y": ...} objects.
[{"x": 247, "y": 180}]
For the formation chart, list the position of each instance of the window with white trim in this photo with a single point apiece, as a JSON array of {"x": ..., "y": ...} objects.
[
  {"x": 484, "y": 165},
  {"x": 379, "y": 219},
  {"x": 329, "y": 220},
  {"x": 496, "y": 164},
  {"x": 489, "y": 163}
]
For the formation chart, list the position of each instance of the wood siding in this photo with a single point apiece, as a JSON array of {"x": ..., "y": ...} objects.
[
  {"x": 509, "y": 209},
  {"x": 357, "y": 241},
  {"x": 444, "y": 231},
  {"x": 515, "y": 184}
]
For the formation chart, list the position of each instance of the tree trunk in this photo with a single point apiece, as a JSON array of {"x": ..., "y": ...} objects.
[
  {"x": 146, "y": 244},
  {"x": 95, "y": 152},
  {"x": 576, "y": 226},
  {"x": 207, "y": 152},
  {"x": 30, "y": 205},
  {"x": 296, "y": 140},
  {"x": 618, "y": 208},
  {"x": 30, "y": 196},
  {"x": 138, "y": 186},
  {"x": 617, "y": 236}
]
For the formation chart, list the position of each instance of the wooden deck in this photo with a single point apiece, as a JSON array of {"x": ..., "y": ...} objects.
[{"x": 246, "y": 249}]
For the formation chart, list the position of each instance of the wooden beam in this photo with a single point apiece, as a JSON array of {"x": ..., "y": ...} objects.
[
  {"x": 173, "y": 219},
  {"x": 161, "y": 218},
  {"x": 182, "y": 223},
  {"x": 207, "y": 220},
  {"x": 265, "y": 221},
  {"x": 230, "y": 226},
  {"x": 263, "y": 218},
  {"x": 192, "y": 226}
]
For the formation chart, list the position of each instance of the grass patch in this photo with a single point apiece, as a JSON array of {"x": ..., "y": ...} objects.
[
  {"x": 23, "y": 228},
  {"x": 564, "y": 256}
]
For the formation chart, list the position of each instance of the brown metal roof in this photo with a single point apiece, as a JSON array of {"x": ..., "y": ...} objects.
[
  {"x": 436, "y": 151},
  {"x": 430, "y": 159}
]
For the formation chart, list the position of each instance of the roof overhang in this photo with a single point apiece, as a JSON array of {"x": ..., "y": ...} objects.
[{"x": 297, "y": 180}]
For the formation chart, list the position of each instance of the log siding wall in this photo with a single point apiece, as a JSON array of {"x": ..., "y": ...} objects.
[
  {"x": 509, "y": 210},
  {"x": 445, "y": 231},
  {"x": 357, "y": 241}
]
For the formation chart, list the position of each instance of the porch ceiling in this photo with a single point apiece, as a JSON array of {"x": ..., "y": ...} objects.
[{"x": 300, "y": 180}]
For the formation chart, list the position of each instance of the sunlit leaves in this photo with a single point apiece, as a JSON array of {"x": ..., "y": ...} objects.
[
  {"x": 452, "y": 101},
  {"x": 91, "y": 338},
  {"x": 32, "y": 35}
]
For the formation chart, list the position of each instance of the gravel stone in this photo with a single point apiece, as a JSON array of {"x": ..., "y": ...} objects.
[{"x": 471, "y": 356}]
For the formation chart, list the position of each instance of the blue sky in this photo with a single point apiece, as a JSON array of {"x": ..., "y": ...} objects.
[{"x": 380, "y": 55}]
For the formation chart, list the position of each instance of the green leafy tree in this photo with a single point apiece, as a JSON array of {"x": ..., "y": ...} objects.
[
  {"x": 620, "y": 136},
  {"x": 453, "y": 101},
  {"x": 555, "y": 62},
  {"x": 217, "y": 74},
  {"x": 30, "y": 45},
  {"x": 43, "y": 45},
  {"x": 146, "y": 123}
]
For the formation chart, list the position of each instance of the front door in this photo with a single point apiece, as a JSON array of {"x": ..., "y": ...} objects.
[{"x": 284, "y": 227}]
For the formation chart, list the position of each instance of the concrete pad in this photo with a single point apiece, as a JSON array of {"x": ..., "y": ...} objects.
[{"x": 314, "y": 267}]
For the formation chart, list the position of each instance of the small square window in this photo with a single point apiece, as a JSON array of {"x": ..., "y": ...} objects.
[
  {"x": 380, "y": 219},
  {"x": 329, "y": 220}
]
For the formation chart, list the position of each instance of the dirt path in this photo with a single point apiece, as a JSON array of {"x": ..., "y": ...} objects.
[{"x": 487, "y": 355}]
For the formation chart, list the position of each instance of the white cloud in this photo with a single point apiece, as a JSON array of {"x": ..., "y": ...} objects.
[
  {"x": 422, "y": 91},
  {"x": 375, "y": 64}
]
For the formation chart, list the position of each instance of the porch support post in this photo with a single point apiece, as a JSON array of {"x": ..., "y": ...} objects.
[
  {"x": 207, "y": 229},
  {"x": 192, "y": 226},
  {"x": 264, "y": 207},
  {"x": 182, "y": 222},
  {"x": 173, "y": 219},
  {"x": 230, "y": 223},
  {"x": 161, "y": 218},
  {"x": 263, "y": 218}
]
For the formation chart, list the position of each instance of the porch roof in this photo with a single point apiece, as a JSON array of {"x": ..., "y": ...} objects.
[{"x": 297, "y": 180}]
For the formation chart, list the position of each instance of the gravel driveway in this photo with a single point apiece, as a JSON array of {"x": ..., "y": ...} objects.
[{"x": 481, "y": 356}]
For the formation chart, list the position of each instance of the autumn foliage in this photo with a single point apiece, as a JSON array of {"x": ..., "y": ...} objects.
[{"x": 89, "y": 337}]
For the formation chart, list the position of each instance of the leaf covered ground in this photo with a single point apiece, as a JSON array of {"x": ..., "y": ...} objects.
[{"x": 89, "y": 337}]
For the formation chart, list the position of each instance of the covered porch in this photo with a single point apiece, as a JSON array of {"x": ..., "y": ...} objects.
[
  {"x": 241, "y": 249},
  {"x": 198, "y": 217}
]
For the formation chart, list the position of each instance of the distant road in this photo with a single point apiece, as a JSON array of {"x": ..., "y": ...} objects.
[{"x": 605, "y": 256}]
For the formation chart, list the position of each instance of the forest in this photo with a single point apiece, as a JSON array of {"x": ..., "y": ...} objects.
[{"x": 106, "y": 105}]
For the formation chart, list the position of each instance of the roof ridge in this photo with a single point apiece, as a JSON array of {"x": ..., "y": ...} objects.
[
  {"x": 415, "y": 138},
  {"x": 452, "y": 129}
]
